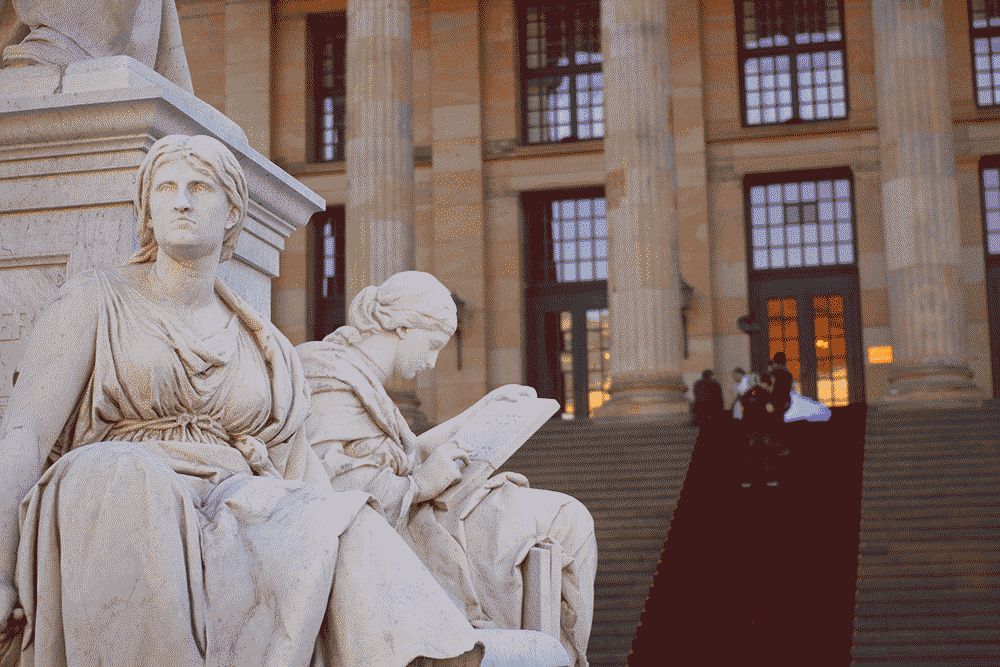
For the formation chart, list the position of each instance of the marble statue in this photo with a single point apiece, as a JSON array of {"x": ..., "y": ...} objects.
[
  {"x": 173, "y": 511},
  {"x": 60, "y": 32},
  {"x": 475, "y": 549}
]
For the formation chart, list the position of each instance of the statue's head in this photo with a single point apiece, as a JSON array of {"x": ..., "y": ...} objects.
[
  {"x": 412, "y": 307},
  {"x": 192, "y": 191}
]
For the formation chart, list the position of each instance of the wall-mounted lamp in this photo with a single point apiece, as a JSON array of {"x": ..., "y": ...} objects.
[
  {"x": 459, "y": 317},
  {"x": 748, "y": 324}
]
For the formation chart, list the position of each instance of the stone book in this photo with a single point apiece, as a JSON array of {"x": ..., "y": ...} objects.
[{"x": 491, "y": 438}]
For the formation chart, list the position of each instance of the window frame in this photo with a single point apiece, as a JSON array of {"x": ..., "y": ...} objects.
[
  {"x": 743, "y": 54},
  {"x": 797, "y": 176},
  {"x": 986, "y": 162},
  {"x": 317, "y": 27},
  {"x": 974, "y": 32},
  {"x": 538, "y": 239},
  {"x": 570, "y": 71},
  {"x": 337, "y": 216}
]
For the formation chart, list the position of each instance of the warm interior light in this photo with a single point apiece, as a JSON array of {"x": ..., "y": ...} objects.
[
  {"x": 822, "y": 343},
  {"x": 880, "y": 354}
]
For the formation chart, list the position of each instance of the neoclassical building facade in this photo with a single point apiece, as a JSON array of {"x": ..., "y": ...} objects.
[{"x": 609, "y": 186}]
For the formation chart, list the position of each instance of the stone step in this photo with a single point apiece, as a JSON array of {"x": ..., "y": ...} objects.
[{"x": 631, "y": 499}]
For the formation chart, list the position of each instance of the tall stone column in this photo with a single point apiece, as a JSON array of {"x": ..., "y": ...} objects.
[
  {"x": 920, "y": 204},
  {"x": 379, "y": 129},
  {"x": 379, "y": 153},
  {"x": 643, "y": 276}
]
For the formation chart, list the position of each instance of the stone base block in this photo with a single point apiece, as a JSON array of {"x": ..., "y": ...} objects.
[
  {"x": 647, "y": 399},
  {"x": 932, "y": 385}
]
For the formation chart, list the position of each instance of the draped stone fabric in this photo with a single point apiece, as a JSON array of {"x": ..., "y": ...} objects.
[
  {"x": 60, "y": 32},
  {"x": 475, "y": 550},
  {"x": 186, "y": 521}
]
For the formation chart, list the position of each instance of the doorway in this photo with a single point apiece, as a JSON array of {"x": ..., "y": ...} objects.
[
  {"x": 567, "y": 342},
  {"x": 571, "y": 346},
  {"x": 816, "y": 322}
]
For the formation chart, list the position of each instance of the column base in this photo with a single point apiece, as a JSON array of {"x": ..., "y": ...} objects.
[
  {"x": 660, "y": 398},
  {"x": 943, "y": 385}
]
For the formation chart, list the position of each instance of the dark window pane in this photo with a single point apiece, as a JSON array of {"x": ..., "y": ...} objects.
[
  {"x": 328, "y": 270},
  {"x": 328, "y": 33}
]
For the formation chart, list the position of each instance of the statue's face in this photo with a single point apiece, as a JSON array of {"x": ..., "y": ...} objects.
[
  {"x": 190, "y": 211},
  {"x": 418, "y": 350}
]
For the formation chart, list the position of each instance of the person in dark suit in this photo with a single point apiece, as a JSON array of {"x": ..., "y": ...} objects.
[
  {"x": 708, "y": 405},
  {"x": 781, "y": 393}
]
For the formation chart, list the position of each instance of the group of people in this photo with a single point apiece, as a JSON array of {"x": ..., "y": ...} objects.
[{"x": 762, "y": 404}]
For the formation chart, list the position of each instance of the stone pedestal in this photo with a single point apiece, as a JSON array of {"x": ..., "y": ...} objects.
[
  {"x": 920, "y": 205},
  {"x": 644, "y": 285},
  {"x": 70, "y": 144}
]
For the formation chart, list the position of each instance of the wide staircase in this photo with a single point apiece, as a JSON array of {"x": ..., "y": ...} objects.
[
  {"x": 928, "y": 589},
  {"x": 629, "y": 475},
  {"x": 763, "y": 575}
]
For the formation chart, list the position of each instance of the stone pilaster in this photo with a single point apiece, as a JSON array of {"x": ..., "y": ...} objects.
[
  {"x": 379, "y": 155},
  {"x": 920, "y": 204},
  {"x": 644, "y": 280},
  {"x": 248, "y": 69},
  {"x": 458, "y": 192}
]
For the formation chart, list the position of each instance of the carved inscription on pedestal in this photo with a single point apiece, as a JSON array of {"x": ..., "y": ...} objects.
[{"x": 27, "y": 286}]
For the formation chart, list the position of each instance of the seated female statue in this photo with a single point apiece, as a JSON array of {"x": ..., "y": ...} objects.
[
  {"x": 475, "y": 549},
  {"x": 182, "y": 518}
]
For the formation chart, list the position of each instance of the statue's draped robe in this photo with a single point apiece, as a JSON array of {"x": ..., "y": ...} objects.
[
  {"x": 60, "y": 32},
  {"x": 475, "y": 550},
  {"x": 186, "y": 521}
]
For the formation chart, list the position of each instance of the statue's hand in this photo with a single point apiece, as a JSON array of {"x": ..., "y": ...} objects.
[
  {"x": 11, "y": 615},
  {"x": 510, "y": 392},
  {"x": 439, "y": 471}
]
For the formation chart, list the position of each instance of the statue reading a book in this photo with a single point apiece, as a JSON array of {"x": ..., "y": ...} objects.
[
  {"x": 173, "y": 511},
  {"x": 471, "y": 530}
]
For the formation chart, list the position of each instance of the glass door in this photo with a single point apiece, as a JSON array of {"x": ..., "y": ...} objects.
[
  {"x": 816, "y": 323},
  {"x": 569, "y": 353}
]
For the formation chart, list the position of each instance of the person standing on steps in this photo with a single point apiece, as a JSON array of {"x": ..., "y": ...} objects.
[
  {"x": 781, "y": 399},
  {"x": 708, "y": 405}
]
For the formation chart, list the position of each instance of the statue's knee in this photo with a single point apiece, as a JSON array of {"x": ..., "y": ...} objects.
[
  {"x": 580, "y": 517},
  {"x": 114, "y": 465}
]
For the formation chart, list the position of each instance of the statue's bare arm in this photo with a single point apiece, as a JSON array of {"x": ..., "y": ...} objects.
[{"x": 57, "y": 364}]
